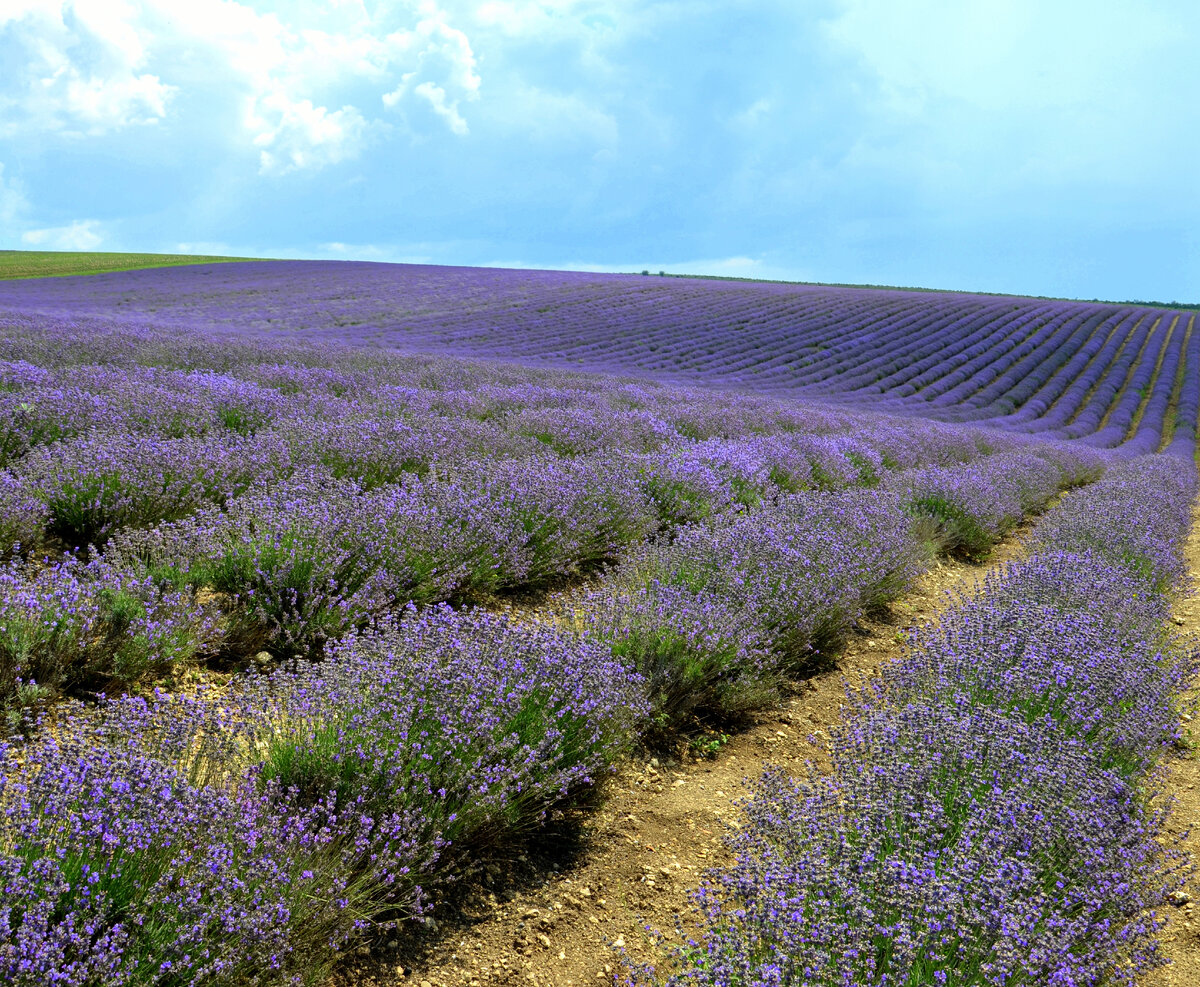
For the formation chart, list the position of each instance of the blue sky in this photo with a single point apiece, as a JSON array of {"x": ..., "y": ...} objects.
[{"x": 1028, "y": 146}]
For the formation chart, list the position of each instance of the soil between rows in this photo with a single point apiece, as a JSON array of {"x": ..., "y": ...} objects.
[
  {"x": 562, "y": 909},
  {"x": 1179, "y": 940}
]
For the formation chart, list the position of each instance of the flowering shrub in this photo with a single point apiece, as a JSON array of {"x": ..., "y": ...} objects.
[
  {"x": 985, "y": 820},
  {"x": 951, "y": 844},
  {"x": 970, "y": 507},
  {"x": 1134, "y": 516},
  {"x": 68, "y": 624},
  {"x": 120, "y": 870},
  {"x": 475, "y": 725},
  {"x": 715, "y": 617},
  {"x": 95, "y": 486},
  {"x": 247, "y": 837}
]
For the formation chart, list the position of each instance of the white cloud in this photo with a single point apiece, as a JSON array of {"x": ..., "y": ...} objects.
[
  {"x": 722, "y": 267},
  {"x": 83, "y": 234},
  {"x": 1009, "y": 107},
  {"x": 371, "y": 252},
  {"x": 558, "y": 117},
  {"x": 295, "y": 134},
  {"x": 79, "y": 69},
  {"x": 444, "y": 52},
  {"x": 207, "y": 248},
  {"x": 1000, "y": 55},
  {"x": 553, "y": 20},
  {"x": 444, "y": 107},
  {"x": 89, "y": 67},
  {"x": 753, "y": 114},
  {"x": 736, "y": 267},
  {"x": 14, "y": 222}
]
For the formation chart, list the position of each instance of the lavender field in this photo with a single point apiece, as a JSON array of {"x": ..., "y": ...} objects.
[{"x": 267, "y": 701}]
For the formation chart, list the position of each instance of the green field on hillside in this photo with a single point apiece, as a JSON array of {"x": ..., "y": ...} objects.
[{"x": 60, "y": 263}]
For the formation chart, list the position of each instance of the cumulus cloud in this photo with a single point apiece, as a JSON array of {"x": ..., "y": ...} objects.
[
  {"x": 83, "y": 234},
  {"x": 89, "y": 67},
  {"x": 1012, "y": 107},
  {"x": 78, "y": 67},
  {"x": 444, "y": 73},
  {"x": 295, "y": 134},
  {"x": 999, "y": 54}
]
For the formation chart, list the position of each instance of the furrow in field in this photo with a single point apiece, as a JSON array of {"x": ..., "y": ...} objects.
[
  {"x": 1179, "y": 940},
  {"x": 1105, "y": 367},
  {"x": 560, "y": 912},
  {"x": 1156, "y": 391},
  {"x": 1126, "y": 395}
]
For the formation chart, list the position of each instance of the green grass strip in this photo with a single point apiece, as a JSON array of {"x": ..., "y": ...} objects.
[{"x": 63, "y": 263}]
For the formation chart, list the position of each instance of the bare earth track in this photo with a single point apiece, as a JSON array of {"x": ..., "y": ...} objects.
[
  {"x": 560, "y": 911},
  {"x": 1180, "y": 939}
]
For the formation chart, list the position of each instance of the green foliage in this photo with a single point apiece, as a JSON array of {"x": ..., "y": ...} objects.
[
  {"x": 708, "y": 745},
  {"x": 63, "y": 263},
  {"x": 243, "y": 421},
  {"x": 690, "y": 677},
  {"x": 955, "y": 530}
]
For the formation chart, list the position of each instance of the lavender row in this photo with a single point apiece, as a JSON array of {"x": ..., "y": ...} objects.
[
  {"x": 986, "y": 817},
  {"x": 1034, "y": 364},
  {"x": 290, "y": 558},
  {"x": 718, "y": 617},
  {"x": 94, "y": 449},
  {"x": 204, "y": 385},
  {"x": 83, "y": 491},
  {"x": 287, "y": 565},
  {"x": 1187, "y": 409},
  {"x": 251, "y": 837},
  {"x": 341, "y": 795}
]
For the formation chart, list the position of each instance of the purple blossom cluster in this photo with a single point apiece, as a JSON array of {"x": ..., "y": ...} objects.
[
  {"x": 1114, "y": 372},
  {"x": 715, "y": 617},
  {"x": 308, "y": 559},
  {"x": 120, "y": 867},
  {"x": 480, "y": 723},
  {"x": 247, "y": 837},
  {"x": 967, "y": 508},
  {"x": 70, "y": 625},
  {"x": 1135, "y": 516},
  {"x": 179, "y": 477},
  {"x": 92, "y": 487},
  {"x": 986, "y": 818}
]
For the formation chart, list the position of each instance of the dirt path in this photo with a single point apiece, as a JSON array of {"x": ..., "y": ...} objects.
[
  {"x": 1180, "y": 939},
  {"x": 556, "y": 913}
]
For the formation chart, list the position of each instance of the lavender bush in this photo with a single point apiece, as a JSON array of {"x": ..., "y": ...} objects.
[
  {"x": 1030, "y": 658},
  {"x": 986, "y": 818},
  {"x": 1135, "y": 516},
  {"x": 121, "y": 870},
  {"x": 474, "y": 725},
  {"x": 93, "y": 487},
  {"x": 248, "y": 837},
  {"x": 714, "y": 618},
  {"x": 323, "y": 490},
  {"x": 968, "y": 510},
  {"x": 69, "y": 624},
  {"x": 951, "y": 845}
]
